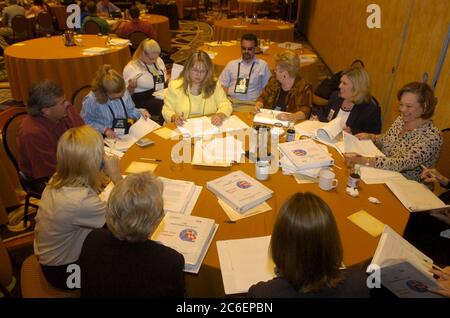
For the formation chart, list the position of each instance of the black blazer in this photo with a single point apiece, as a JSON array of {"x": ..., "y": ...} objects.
[{"x": 365, "y": 117}]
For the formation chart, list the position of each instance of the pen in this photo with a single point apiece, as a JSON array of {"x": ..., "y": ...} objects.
[
  {"x": 431, "y": 173},
  {"x": 151, "y": 159},
  {"x": 230, "y": 222}
]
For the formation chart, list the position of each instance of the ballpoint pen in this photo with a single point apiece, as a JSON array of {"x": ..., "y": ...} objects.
[{"x": 150, "y": 159}]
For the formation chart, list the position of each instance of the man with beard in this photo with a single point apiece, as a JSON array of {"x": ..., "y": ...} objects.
[
  {"x": 50, "y": 114},
  {"x": 243, "y": 79}
]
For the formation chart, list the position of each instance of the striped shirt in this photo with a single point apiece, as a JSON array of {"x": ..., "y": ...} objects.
[{"x": 99, "y": 116}]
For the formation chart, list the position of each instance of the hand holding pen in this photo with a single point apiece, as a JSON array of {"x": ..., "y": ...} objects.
[
  {"x": 431, "y": 175},
  {"x": 178, "y": 119}
]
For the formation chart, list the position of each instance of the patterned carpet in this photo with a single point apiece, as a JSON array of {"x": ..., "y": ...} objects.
[{"x": 190, "y": 36}]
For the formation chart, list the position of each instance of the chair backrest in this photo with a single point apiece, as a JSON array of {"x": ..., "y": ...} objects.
[
  {"x": 78, "y": 96},
  {"x": 34, "y": 285},
  {"x": 136, "y": 38},
  {"x": 19, "y": 25},
  {"x": 6, "y": 272},
  {"x": 443, "y": 164},
  {"x": 45, "y": 20},
  {"x": 10, "y": 121},
  {"x": 91, "y": 27}
]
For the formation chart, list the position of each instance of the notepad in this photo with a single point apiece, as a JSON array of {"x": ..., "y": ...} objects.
[
  {"x": 137, "y": 167},
  {"x": 367, "y": 222},
  {"x": 165, "y": 133}
]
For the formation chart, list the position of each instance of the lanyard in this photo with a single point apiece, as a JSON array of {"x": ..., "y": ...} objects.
[
  {"x": 249, "y": 74},
  {"x": 153, "y": 73},
  {"x": 124, "y": 109}
]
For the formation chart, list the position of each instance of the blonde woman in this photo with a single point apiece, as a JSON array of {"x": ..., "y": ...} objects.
[
  {"x": 287, "y": 91},
  {"x": 354, "y": 102},
  {"x": 196, "y": 93},
  {"x": 109, "y": 107},
  {"x": 70, "y": 207},
  {"x": 144, "y": 75},
  {"x": 121, "y": 261}
]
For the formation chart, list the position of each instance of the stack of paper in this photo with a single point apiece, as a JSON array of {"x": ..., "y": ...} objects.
[
  {"x": 364, "y": 148},
  {"x": 189, "y": 235},
  {"x": 179, "y": 196},
  {"x": 415, "y": 196},
  {"x": 240, "y": 191},
  {"x": 244, "y": 263},
  {"x": 404, "y": 269},
  {"x": 289, "y": 168},
  {"x": 269, "y": 116},
  {"x": 197, "y": 127},
  {"x": 138, "y": 130},
  {"x": 160, "y": 94},
  {"x": 307, "y": 58},
  {"x": 119, "y": 42},
  {"x": 376, "y": 176},
  {"x": 290, "y": 45},
  {"x": 303, "y": 155},
  {"x": 95, "y": 50},
  {"x": 218, "y": 152},
  {"x": 220, "y": 43},
  {"x": 176, "y": 71}
]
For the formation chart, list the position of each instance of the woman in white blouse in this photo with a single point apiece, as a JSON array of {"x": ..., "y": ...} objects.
[
  {"x": 70, "y": 206},
  {"x": 144, "y": 75}
]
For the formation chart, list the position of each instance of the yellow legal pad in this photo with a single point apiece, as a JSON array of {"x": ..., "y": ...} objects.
[
  {"x": 367, "y": 222},
  {"x": 136, "y": 167},
  {"x": 165, "y": 133}
]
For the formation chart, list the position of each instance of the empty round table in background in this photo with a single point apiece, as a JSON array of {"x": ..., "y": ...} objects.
[
  {"x": 40, "y": 59},
  {"x": 232, "y": 29}
]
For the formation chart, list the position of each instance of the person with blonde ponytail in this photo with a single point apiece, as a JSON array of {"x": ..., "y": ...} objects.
[
  {"x": 109, "y": 107},
  {"x": 146, "y": 74}
]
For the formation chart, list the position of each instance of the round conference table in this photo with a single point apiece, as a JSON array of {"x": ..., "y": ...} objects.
[
  {"x": 224, "y": 54},
  {"x": 233, "y": 29},
  {"x": 358, "y": 245},
  {"x": 47, "y": 58},
  {"x": 249, "y": 7}
]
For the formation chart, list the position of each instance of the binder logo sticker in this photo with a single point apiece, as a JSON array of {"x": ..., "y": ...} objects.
[
  {"x": 188, "y": 235},
  {"x": 243, "y": 184},
  {"x": 299, "y": 152},
  {"x": 417, "y": 286}
]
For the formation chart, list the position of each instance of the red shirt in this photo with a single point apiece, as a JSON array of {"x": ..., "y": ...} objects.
[
  {"x": 128, "y": 27},
  {"x": 38, "y": 139}
]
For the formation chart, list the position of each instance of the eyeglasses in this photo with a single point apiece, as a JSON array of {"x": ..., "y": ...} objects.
[
  {"x": 247, "y": 48},
  {"x": 198, "y": 71}
]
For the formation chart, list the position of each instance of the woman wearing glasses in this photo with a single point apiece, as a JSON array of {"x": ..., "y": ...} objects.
[
  {"x": 196, "y": 93},
  {"x": 109, "y": 107},
  {"x": 287, "y": 91}
]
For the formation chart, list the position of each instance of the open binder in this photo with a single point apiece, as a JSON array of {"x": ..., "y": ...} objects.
[{"x": 404, "y": 269}]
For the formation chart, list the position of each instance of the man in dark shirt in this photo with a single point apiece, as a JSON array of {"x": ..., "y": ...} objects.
[{"x": 49, "y": 116}]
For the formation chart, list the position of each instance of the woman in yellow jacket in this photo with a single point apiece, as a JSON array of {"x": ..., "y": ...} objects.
[{"x": 196, "y": 93}]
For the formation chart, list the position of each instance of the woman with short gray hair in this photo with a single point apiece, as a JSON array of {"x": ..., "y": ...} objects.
[{"x": 121, "y": 261}]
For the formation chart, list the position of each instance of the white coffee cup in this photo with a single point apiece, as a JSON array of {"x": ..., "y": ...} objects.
[
  {"x": 327, "y": 180},
  {"x": 262, "y": 170}
]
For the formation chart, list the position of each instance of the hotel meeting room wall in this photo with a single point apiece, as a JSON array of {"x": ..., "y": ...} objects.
[{"x": 338, "y": 32}]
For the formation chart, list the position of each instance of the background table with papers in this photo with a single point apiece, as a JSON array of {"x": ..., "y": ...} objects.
[{"x": 358, "y": 244}]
